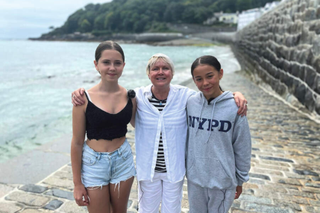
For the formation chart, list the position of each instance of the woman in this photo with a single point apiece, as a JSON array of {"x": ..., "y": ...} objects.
[
  {"x": 103, "y": 168},
  {"x": 160, "y": 137}
]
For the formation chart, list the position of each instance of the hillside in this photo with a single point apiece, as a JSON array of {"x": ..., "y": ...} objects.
[{"x": 137, "y": 16}]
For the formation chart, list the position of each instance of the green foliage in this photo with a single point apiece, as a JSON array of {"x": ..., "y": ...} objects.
[
  {"x": 159, "y": 27},
  {"x": 85, "y": 26},
  {"x": 101, "y": 32},
  {"x": 136, "y": 16}
]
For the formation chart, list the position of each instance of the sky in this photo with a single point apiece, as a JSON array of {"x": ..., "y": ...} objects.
[{"x": 22, "y": 19}]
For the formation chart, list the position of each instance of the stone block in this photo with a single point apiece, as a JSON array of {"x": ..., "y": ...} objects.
[
  {"x": 71, "y": 207},
  {"x": 61, "y": 194},
  {"x": 279, "y": 39},
  {"x": 290, "y": 182},
  {"x": 300, "y": 57},
  {"x": 300, "y": 91},
  {"x": 301, "y": 73},
  {"x": 276, "y": 159},
  {"x": 53, "y": 204},
  {"x": 264, "y": 208},
  {"x": 281, "y": 75},
  {"x": 318, "y": 12},
  {"x": 308, "y": 56},
  {"x": 286, "y": 66},
  {"x": 30, "y": 211},
  {"x": 33, "y": 188},
  {"x": 260, "y": 176},
  {"x": 287, "y": 204},
  {"x": 61, "y": 183},
  {"x": 27, "y": 198},
  {"x": 276, "y": 62},
  {"x": 277, "y": 74},
  {"x": 306, "y": 37},
  {"x": 317, "y": 84},
  {"x": 302, "y": 7},
  {"x": 284, "y": 52},
  {"x": 298, "y": 26},
  {"x": 255, "y": 199},
  {"x": 306, "y": 172},
  {"x": 316, "y": 64},
  {"x": 310, "y": 14},
  {"x": 296, "y": 69},
  {"x": 281, "y": 89},
  {"x": 291, "y": 40},
  {"x": 314, "y": 185},
  {"x": 8, "y": 207},
  {"x": 272, "y": 70},
  {"x": 309, "y": 100},
  {"x": 315, "y": 27},
  {"x": 310, "y": 77},
  {"x": 289, "y": 82},
  {"x": 5, "y": 189}
]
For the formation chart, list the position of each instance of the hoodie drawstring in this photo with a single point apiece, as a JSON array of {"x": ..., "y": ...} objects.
[
  {"x": 203, "y": 103},
  {"x": 210, "y": 132}
]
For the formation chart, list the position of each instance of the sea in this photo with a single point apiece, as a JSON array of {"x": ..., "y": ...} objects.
[{"x": 38, "y": 77}]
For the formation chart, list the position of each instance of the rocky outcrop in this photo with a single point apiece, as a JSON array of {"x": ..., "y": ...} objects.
[
  {"x": 283, "y": 49},
  {"x": 139, "y": 38}
]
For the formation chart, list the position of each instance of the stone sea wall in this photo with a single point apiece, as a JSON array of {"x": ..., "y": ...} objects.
[{"x": 283, "y": 49}]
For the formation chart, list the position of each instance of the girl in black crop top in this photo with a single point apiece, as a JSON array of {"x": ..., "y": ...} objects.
[{"x": 104, "y": 117}]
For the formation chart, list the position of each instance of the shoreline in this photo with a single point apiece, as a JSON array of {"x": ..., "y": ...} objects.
[{"x": 153, "y": 39}]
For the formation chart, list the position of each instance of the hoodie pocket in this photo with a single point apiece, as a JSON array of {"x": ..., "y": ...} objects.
[{"x": 209, "y": 172}]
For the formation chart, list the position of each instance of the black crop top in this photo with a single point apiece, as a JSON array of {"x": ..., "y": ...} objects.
[{"x": 103, "y": 125}]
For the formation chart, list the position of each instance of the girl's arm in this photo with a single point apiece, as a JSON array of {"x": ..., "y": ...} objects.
[
  {"x": 241, "y": 103},
  {"x": 134, "y": 110},
  {"x": 241, "y": 142},
  {"x": 238, "y": 192},
  {"x": 78, "y": 129}
]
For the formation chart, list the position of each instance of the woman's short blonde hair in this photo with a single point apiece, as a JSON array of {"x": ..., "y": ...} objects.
[{"x": 157, "y": 57}]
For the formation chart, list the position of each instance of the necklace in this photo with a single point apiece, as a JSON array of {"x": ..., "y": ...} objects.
[{"x": 160, "y": 101}]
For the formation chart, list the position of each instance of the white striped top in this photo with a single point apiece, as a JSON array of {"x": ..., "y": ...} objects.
[{"x": 160, "y": 164}]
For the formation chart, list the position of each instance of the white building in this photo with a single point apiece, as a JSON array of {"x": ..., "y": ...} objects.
[
  {"x": 230, "y": 18},
  {"x": 248, "y": 16}
]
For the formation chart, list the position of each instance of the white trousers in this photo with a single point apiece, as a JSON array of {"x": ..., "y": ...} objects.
[{"x": 160, "y": 190}]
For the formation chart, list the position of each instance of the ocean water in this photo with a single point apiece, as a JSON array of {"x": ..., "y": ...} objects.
[{"x": 37, "y": 78}]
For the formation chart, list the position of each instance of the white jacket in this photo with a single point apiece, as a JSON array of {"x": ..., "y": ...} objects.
[{"x": 172, "y": 122}]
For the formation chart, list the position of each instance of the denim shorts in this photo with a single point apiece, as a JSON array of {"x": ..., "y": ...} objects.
[{"x": 101, "y": 168}]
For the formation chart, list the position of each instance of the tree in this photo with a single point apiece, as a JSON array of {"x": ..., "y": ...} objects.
[
  {"x": 147, "y": 15},
  {"x": 85, "y": 26},
  {"x": 243, "y": 4}
]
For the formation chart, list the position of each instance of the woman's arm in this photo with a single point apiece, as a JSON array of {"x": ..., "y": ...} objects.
[
  {"x": 78, "y": 136},
  {"x": 134, "y": 110},
  {"x": 241, "y": 102},
  {"x": 77, "y": 97}
]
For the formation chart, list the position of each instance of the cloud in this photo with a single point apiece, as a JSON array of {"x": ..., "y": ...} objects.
[{"x": 34, "y": 17}]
